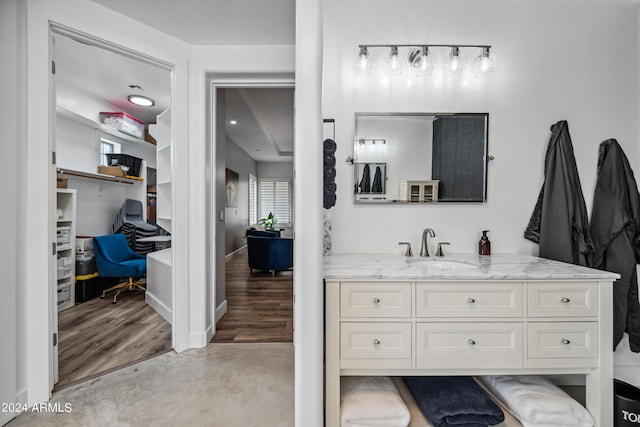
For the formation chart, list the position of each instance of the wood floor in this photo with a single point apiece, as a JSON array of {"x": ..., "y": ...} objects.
[
  {"x": 259, "y": 307},
  {"x": 97, "y": 336}
]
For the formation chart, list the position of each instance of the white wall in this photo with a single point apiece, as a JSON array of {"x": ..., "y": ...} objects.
[
  {"x": 78, "y": 148},
  {"x": 10, "y": 327},
  {"x": 237, "y": 218},
  {"x": 558, "y": 59}
]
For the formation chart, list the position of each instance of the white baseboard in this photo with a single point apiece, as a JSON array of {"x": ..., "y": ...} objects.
[
  {"x": 220, "y": 311},
  {"x": 234, "y": 253},
  {"x": 199, "y": 339},
  {"x": 158, "y": 306}
]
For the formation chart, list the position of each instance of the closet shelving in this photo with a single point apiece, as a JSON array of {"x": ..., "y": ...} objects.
[
  {"x": 63, "y": 112},
  {"x": 66, "y": 201},
  {"x": 98, "y": 176},
  {"x": 162, "y": 132}
]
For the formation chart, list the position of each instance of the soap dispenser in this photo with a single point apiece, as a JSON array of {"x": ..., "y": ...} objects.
[{"x": 484, "y": 245}]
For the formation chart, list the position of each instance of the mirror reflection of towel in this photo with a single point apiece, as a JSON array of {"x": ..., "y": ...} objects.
[
  {"x": 377, "y": 181},
  {"x": 365, "y": 182}
]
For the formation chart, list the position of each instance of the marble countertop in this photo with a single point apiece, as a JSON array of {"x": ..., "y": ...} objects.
[{"x": 455, "y": 267}]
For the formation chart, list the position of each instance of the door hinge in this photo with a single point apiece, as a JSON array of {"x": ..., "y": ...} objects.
[
  {"x": 55, "y": 339},
  {"x": 53, "y": 248},
  {"x": 53, "y": 157},
  {"x": 53, "y": 67}
]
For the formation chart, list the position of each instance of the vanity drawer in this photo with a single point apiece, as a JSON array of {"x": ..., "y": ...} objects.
[
  {"x": 562, "y": 339},
  {"x": 375, "y": 299},
  {"x": 375, "y": 340},
  {"x": 562, "y": 299},
  {"x": 457, "y": 299},
  {"x": 469, "y": 345}
]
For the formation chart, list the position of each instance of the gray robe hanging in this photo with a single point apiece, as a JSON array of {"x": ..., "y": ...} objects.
[
  {"x": 559, "y": 222},
  {"x": 615, "y": 229}
]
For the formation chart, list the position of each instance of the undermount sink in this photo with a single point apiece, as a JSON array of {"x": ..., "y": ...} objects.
[{"x": 443, "y": 264}]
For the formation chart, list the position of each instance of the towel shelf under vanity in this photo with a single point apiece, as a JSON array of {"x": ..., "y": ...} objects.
[{"x": 469, "y": 327}]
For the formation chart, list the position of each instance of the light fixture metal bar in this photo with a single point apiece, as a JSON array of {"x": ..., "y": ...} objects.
[{"x": 427, "y": 45}]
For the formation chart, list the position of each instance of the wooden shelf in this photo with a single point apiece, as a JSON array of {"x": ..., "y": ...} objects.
[{"x": 99, "y": 176}]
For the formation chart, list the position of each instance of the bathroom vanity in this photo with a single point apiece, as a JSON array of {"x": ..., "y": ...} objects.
[{"x": 468, "y": 315}]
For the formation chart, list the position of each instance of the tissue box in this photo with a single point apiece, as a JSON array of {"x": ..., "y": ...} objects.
[{"x": 124, "y": 123}]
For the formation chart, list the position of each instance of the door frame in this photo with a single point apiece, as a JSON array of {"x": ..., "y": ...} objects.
[
  {"x": 261, "y": 80},
  {"x": 82, "y": 37}
]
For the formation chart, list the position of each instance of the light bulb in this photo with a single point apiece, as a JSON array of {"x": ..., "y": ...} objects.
[
  {"x": 394, "y": 63},
  {"x": 363, "y": 65},
  {"x": 422, "y": 61},
  {"x": 455, "y": 64},
  {"x": 484, "y": 63}
]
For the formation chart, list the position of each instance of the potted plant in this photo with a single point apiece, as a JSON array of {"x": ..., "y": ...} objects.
[{"x": 269, "y": 222}]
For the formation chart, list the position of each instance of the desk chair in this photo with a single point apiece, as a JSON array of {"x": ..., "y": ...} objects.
[{"x": 114, "y": 258}]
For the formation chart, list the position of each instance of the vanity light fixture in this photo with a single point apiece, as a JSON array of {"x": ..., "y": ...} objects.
[
  {"x": 484, "y": 63},
  {"x": 363, "y": 66},
  {"x": 142, "y": 101},
  {"x": 423, "y": 61},
  {"x": 456, "y": 63},
  {"x": 393, "y": 63}
]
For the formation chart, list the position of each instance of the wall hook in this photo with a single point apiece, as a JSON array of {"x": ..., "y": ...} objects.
[{"x": 349, "y": 159}]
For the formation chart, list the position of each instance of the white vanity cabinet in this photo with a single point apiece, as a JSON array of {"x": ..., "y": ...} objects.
[{"x": 469, "y": 324}]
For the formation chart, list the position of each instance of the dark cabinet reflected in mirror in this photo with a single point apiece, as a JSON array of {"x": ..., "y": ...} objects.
[{"x": 420, "y": 157}]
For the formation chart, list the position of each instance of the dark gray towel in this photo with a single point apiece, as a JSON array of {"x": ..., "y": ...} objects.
[{"x": 454, "y": 401}]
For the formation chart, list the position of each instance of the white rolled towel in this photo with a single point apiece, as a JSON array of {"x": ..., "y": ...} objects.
[
  {"x": 371, "y": 402},
  {"x": 538, "y": 402}
]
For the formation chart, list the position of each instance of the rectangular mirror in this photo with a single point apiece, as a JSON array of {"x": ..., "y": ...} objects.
[{"x": 420, "y": 157}]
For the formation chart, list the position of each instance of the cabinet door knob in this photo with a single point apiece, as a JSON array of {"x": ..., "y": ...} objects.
[
  {"x": 471, "y": 300},
  {"x": 376, "y": 341},
  {"x": 376, "y": 300},
  {"x": 565, "y": 299},
  {"x": 470, "y": 341},
  {"x": 565, "y": 341}
]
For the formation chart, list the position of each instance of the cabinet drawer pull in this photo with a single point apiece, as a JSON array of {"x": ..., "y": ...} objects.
[
  {"x": 376, "y": 300},
  {"x": 376, "y": 341},
  {"x": 470, "y": 341},
  {"x": 471, "y": 300},
  {"x": 565, "y": 341},
  {"x": 565, "y": 300}
]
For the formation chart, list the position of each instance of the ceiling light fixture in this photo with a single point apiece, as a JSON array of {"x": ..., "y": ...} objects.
[
  {"x": 142, "y": 101},
  {"x": 424, "y": 61},
  {"x": 233, "y": 122}
]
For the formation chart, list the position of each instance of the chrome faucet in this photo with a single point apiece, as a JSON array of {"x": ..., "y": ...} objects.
[
  {"x": 439, "y": 251},
  {"x": 408, "y": 251},
  {"x": 424, "y": 251}
]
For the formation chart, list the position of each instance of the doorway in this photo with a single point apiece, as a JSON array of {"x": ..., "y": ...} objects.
[
  {"x": 92, "y": 76},
  {"x": 253, "y": 140}
]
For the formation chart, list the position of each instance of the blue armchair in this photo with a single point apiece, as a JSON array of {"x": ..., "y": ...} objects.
[
  {"x": 269, "y": 252},
  {"x": 114, "y": 258}
]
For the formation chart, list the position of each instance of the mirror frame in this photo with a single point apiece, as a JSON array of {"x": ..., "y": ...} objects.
[{"x": 485, "y": 160}]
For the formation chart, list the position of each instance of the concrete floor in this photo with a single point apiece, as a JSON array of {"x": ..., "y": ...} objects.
[{"x": 222, "y": 385}]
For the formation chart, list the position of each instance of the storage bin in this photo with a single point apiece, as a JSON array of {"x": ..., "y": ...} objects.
[
  {"x": 133, "y": 163},
  {"x": 626, "y": 404},
  {"x": 84, "y": 244},
  {"x": 64, "y": 272},
  {"x": 124, "y": 123},
  {"x": 87, "y": 266},
  {"x": 64, "y": 293},
  {"x": 63, "y": 235},
  {"x": 63, "y": 261}
]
